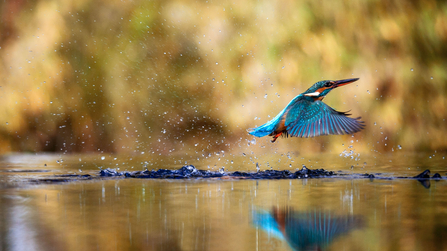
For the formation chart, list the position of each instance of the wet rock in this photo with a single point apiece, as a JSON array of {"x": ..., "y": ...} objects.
[
  {"x": 423, "y": 175},
  {"x": 109, "y": 173},
  {"x": 240, "y": 174},
  {"x": 191, "y": 172},
  {"x": 182, "y": 173}
]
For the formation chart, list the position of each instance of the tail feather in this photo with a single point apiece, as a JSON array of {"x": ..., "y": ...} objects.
[
  {"x": 267, "y": 128},
  {"x": 261, "y": 131}
]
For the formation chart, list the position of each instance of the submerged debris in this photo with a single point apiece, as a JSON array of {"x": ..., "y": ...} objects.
[
  {"x": 424, "y": 175},
  {"x": 192, "y": 172}
]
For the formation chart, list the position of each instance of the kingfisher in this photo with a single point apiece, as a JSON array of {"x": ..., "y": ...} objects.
[
  {"x": 307, "y": 116},
  {"x": 306, "y": 230}
]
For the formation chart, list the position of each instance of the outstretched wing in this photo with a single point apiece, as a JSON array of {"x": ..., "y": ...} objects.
[{"x": 310, "y": 119}]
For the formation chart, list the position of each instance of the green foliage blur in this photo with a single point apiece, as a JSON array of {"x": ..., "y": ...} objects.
[{"x": 170, "y": 76}]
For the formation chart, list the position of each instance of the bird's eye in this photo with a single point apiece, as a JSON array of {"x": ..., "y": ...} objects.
[{"x": 328, "y": 84}]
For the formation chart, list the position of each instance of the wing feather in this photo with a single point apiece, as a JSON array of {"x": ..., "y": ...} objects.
[
  {"x": 343, "y": 125},
  {"x": 310, "y": 119}
]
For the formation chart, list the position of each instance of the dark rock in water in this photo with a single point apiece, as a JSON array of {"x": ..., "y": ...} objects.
[
  {"x": 191, "y": 172},
  {"x": 109, "y": 173},
  {"x": 182, "y": 173},
  {"x": 423, "y": 175},
  {"x": 240, "y": 174}
]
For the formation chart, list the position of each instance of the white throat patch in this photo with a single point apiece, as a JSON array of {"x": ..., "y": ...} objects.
[{"x": 312, "y": 94}]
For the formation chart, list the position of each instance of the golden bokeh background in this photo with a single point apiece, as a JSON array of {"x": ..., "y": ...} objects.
[{"x": 172, "y": 76}]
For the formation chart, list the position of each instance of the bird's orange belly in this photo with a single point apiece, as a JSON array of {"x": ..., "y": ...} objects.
[{"x": 281, "y": 125}]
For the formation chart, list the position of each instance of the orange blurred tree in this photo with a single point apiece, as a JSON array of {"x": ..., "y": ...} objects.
[{"x": 170, "y": 76}]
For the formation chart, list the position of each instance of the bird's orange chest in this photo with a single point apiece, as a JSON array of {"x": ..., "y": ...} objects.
[{"x": 282, "y": 124}]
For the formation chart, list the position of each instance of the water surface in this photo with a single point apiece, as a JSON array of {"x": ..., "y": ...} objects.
[{"x": 222, "y": 214}]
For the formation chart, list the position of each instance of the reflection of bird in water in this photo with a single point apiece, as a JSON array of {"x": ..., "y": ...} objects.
[
  {"x": 310, "y": 230},
  {"x": 307, "y": 116}
]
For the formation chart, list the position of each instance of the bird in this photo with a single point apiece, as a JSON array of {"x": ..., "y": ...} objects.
[
  {"x": 307, "y": 116},
  {"x": 306, "y": 230}
]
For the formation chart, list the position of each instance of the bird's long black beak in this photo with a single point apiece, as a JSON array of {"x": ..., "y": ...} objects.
[{"x": 343, "y": 82}]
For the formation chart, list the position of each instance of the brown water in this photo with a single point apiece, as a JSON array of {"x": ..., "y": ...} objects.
[{"x": 215, "y": 214}]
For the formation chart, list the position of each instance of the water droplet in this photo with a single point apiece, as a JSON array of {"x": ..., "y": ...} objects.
[
  {"x": 283, "y": 67},
  {"x": 265, "y": 96},
  {"x": 368, "y": 91},
  {"x": 431, "y": 77},
  {"x": 411, "y": 69},
  {"x": 217, "y": 63},
  {"x": 103, "y": 157},
  {"x": 399, "y": 146}
]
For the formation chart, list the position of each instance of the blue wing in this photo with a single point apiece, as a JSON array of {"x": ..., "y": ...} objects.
[{"x": 310, "y": 119}]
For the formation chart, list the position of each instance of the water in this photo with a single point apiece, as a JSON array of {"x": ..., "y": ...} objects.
[{"x": 221, "y": 214}]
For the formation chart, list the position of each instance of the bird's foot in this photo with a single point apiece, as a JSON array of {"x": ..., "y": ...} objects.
[{"x": 276, "y": 136}]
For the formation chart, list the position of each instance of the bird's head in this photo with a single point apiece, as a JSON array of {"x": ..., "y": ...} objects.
[{"x": 322, "y": 88}]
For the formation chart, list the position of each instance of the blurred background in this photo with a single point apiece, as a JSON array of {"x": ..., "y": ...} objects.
[{"x": 165, "y": 77}]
